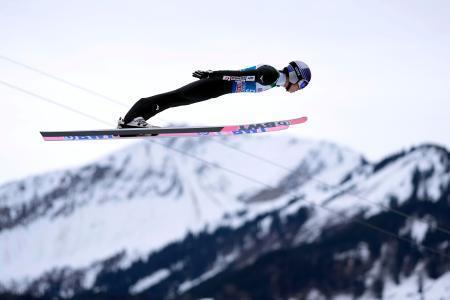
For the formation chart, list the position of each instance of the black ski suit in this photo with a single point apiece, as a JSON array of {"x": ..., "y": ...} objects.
[{"x": 254, "y": 79}]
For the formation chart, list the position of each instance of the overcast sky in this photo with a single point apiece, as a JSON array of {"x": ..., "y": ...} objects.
[{"x": 380, "y": 70}]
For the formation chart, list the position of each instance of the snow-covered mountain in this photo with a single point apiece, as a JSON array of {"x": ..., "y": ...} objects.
[{"x": 261, "y": 217}]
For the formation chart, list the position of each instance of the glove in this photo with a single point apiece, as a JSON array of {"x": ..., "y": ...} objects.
[{"x": 202, "y": 74}]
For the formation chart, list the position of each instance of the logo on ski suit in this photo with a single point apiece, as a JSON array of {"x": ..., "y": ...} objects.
[
  {"x": 244, "y": 87},
  {"x": 238, "y": 78}
]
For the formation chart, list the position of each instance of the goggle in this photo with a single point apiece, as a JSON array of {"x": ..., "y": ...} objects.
[{"x": 302, "y": 83}]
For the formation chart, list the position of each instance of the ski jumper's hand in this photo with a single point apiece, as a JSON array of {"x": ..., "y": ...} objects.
[{"x": 202, "y": 74}]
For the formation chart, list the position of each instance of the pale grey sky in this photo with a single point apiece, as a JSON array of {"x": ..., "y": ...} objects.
[{"x": 380, "y": 69}]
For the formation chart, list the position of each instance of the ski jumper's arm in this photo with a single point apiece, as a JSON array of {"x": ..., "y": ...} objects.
[{"x": 254, "y": 79}]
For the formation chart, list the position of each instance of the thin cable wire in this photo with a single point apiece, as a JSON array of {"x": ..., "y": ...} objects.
[
  {"x": 357, "y": 220},
  {"x": 50, "y": 101},
  {"x": 89, "y": 91},
  {"x": 313, "y": 178}
]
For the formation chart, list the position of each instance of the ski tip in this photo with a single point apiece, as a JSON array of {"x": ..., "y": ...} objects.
[{"x": 300, "y": 120}]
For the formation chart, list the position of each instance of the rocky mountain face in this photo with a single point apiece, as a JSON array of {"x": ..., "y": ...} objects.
[{"x": 271, "y": 217}]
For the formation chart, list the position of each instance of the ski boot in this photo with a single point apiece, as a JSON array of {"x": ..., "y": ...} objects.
[{"x": 138, "y": 122}]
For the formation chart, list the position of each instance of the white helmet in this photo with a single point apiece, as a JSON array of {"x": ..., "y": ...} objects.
[{"x": 297, "y": 72}]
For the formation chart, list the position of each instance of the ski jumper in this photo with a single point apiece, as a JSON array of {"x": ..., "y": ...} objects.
[{"x": 250, "y": 80}]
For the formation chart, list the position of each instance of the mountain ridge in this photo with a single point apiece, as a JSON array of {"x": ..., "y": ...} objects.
[{"x": 105, "y": 185}]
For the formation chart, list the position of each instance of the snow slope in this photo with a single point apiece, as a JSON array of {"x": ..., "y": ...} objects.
[
  {"x": 140, "y": 199},
  {"x": 156, "y": 192}
]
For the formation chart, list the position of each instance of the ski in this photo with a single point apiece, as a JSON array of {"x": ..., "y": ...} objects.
[{"x": 109, "y": 134}]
